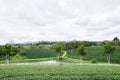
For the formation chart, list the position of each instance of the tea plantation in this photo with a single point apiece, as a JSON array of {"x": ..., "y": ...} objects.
[
  {"x": 97, "y": 53},
  {"x": 59, "y": 72},
  {"x": 92, "y": 52},
  {"x": 33, "y": 53}
]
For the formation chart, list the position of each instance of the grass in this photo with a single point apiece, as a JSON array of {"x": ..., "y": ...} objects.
[
  {"x": 28, "y": 60},
  {"x": 74, "y": 60},
  {"x": 59, "y": 72}
]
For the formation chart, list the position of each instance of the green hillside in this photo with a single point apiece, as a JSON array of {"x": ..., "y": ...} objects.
[
  {"x": 33, "y": 53},
  {"x": 96, "y": 52},
  {"x": 92, "y": 52}
]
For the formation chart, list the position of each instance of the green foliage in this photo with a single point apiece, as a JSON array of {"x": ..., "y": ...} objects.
[
  {"x": 96, "y": 52},
  {"x": 116, "y": 39},
  {"x": 8, "y": 49},
  {"x": 74, "y": 44},
  {"x": 33, "y": 53},
  {"x": 81, "y": 50},
  {"x": 109, "y": 49},
  {"x": 94, "y": 60},
  {"x": 70, "y": 60},
  {"x": 23, "y": 52},
  {"x": 61, "y": 72},
  {"x": 58, "y": 49},
  {"x": 18, "y": 57},
  {"x": 15, "y": 50},
  {"x": 38, "y": 59},
  {"x": 1, "y": 50},
  {"x": 24, "y": 59}
]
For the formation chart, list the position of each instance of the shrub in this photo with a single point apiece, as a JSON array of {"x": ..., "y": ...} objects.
[
  {"x": 18, "y": 57},
  {"x": 94, "y": 60}
]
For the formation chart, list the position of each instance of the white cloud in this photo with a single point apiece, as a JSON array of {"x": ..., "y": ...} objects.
[{"x": 34, "y": 20}]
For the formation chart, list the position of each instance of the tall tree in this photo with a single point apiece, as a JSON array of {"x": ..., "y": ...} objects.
[
  {"x": 108, "y": 51},
  {"x": 116, "y": 39},
  {"x": 9, "y": 50},
  {"x": 81, "y": 52},
  {"x": 15, "y": 50},
  {"x": 58, "y": 50}
]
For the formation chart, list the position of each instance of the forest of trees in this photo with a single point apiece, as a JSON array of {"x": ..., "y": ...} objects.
[{"x": 75, "y": 44}]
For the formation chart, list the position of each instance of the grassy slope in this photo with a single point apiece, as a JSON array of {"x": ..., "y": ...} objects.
[
  {"x": 93, "y": 52},
  {"x": 96, "y": 52},
  {"x": 33, "y": 53},
  {"x": 59, "y": 72}
]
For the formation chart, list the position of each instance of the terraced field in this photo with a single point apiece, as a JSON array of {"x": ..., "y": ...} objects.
[
  {"x": 59, "y": 72},
  {"x": 92, "y": 52},
  {"x": 33, "y": 53},
  {"x": 97, "y": 53}
]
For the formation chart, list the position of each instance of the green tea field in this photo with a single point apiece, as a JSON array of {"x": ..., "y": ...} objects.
[
  {"x": 59, "y": 72},
  {"x": 97, "y": 53}
]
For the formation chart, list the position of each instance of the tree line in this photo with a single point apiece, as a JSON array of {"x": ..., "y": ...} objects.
[{"x": 74, "y": 44}]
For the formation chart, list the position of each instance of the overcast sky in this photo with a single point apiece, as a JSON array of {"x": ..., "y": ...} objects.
[{"x": 51, "y": 20}]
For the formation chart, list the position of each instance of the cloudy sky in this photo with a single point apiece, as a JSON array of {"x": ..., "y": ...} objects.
[{"x": 36, "y": 20}]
